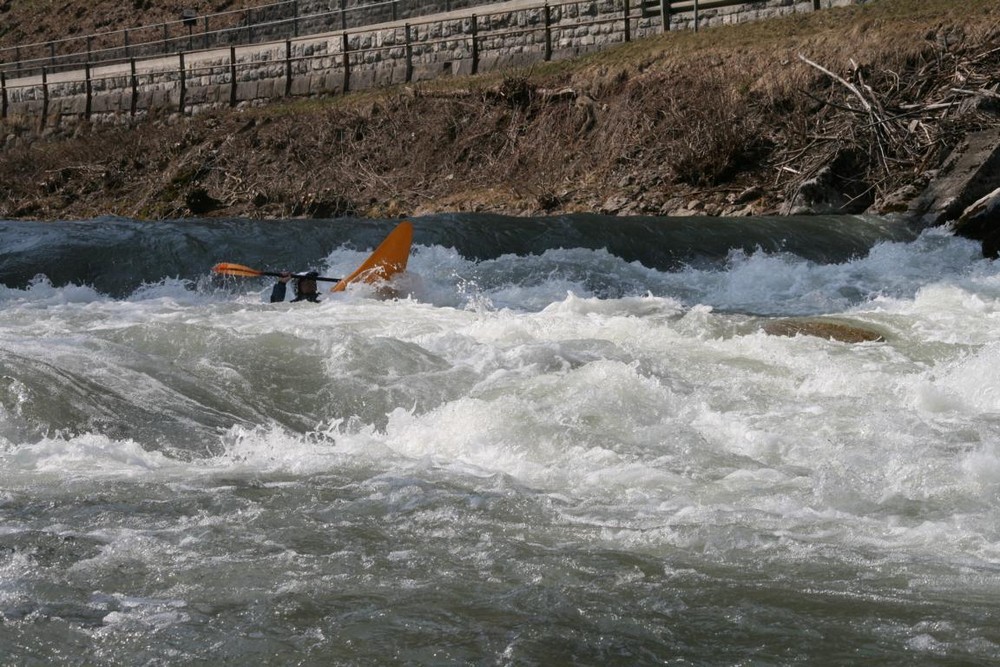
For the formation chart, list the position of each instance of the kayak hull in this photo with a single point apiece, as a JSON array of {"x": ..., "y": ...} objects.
[{"x": 387, "y": 260}]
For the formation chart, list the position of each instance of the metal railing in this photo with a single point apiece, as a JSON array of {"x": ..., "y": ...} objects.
[{"x": 253, "y": 25}]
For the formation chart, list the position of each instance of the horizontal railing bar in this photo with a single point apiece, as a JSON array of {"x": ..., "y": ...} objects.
[{"x": 200, "y": 35}]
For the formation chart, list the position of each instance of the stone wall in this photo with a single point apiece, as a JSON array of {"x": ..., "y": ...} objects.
[{"x": 376, "y": 56}]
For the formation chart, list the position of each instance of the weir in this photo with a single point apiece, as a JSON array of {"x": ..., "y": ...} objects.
[{"x": 472, "y": 40}]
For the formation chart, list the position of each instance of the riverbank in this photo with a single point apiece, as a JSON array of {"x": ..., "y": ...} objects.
[{"x": 843, "y": 111}]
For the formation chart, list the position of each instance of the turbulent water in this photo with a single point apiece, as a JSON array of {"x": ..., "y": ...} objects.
[{"x": 567, "y": 442}]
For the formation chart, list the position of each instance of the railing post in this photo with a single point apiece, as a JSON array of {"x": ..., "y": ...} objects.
[
  {"x": 475, "y": 45},
  {"x": 547, "y": 14},
  {"x": 696, "y": 15},
  {"x": 295, "y": 18},
  {"x": 165, "y": 37},
  {"x": 135, "y": 87},
  {"x": 409, "y": 53},
  {"x": 52, "y": 53},
  {"x": 816, "y": 6},
  {"x": 126, "y": 42},
  {"x": 45, "y": 95},
  {"x": 90, "y": 41},
  {"x": 395, "y": 11},
  {"x": 232, "y": 76},
  {"x": 88, "y": 106},
  {"x": 664, "y": 15},
  {"x": 204, "y": 39},
  {"x": 344, "y": 47},
  {"x": 3, "y": 95},
  {"x": 343, "y": 15},
  {"x": 628, "y": 22},
  {"x": 288, "y": 67},
  {"x": 180, "y": 104}
]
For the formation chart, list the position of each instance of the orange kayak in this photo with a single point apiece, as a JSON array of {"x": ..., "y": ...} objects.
[{"x": 388, "y": 259}]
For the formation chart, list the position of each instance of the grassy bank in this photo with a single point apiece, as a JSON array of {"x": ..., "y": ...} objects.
[{"x": 727, "y": 121}]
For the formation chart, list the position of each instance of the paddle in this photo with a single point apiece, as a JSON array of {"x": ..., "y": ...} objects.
[{"x": 230, "y": 269}]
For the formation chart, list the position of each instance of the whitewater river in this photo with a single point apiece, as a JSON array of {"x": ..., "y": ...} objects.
[{"x": 569, "y": 442}]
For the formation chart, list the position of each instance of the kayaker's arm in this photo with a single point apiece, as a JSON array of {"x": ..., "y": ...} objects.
[{"x": 281, "y": 287}]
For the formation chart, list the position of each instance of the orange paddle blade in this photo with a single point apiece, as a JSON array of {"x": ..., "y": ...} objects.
[
  {"x": 388, "y": 259},
  {"x": 229, "y": 269}
]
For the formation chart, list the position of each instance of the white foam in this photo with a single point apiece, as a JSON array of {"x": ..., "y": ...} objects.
[
  {"x": 40, "y": 293},
  {"x": 83, "y": 457},
  {"x": 657, "y": 411}
]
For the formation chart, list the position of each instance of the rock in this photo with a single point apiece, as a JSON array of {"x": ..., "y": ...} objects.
[
  {"x": 831, "y": 330},
  {"x": 981, "y": 221},
  {"x": 614, "y": 205},
  {"x": 740, "y": 212},
  {"x": 898, "y": 201},
  {"x": 970, "y": 172},
  {"x": 325, "y": 205},
  {"x": 199, "y": 202},
  {"x": 752, "y": 193},
  {"x": 822, "y": 195},
  {"x": 672, "y": 205}
]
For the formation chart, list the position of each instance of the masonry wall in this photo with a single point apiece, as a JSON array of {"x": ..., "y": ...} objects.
[{"x": 364, "y": 58}]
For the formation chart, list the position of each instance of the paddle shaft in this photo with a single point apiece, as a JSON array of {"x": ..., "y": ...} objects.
[
  {"x": 300, "y": 275},
  {"x": 230, "y": 269}
]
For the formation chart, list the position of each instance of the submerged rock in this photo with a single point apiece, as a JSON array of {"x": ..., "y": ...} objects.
[{"x": 831, "y": 330}]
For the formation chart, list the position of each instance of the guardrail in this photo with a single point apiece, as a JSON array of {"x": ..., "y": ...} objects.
[{"x": 180, "y": 84}]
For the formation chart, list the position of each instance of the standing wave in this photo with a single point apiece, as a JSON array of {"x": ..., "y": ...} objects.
[{"x": 117, "y": 256}]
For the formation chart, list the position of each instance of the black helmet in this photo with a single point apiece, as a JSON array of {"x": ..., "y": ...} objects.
[{"x": 305, "y": 286}]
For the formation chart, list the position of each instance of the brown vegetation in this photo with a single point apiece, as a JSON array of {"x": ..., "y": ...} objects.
[{"x": 727, "y": 121}]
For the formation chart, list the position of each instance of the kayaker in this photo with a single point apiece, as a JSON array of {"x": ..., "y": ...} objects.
[{"x": 305, "y": 287}]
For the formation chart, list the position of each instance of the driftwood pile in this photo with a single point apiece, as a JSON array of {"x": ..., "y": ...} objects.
[{"x": 883, "y": 132}]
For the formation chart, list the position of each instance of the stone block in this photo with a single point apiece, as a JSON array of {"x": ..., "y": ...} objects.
[
  {"x": 77, "y": 105},
  {"x": 425, "y": 72},
  {"x": 300, "y": 85},
  {"x": 103, "y": 103},
  {"x": 461, "y": 67},
  {"x": 362, "y": 80},
  {"x": 267, "y": 90},
  {"x": 197, "y": 95},
  {"x": 55, "y": 108},
  {"x": 317, "y": 84},
  {"x": 525, "y": 58},
  {"x": 333, "y": 82},
  {"x": 397, "y": 74},
  {"x": 119, "y": 102},
  {"x": 246, "y": 90},
  {"x": 27, "y": 108},
  {"x": 159, "y": 99}
]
